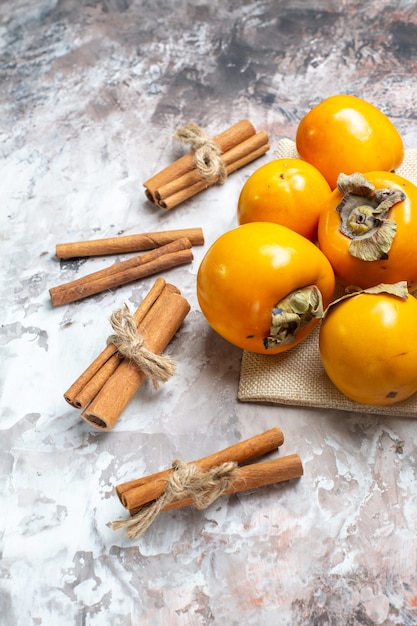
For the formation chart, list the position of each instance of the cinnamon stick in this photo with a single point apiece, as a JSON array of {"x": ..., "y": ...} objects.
[
  {"x": 136, "y": 493},
  {"x": 246, "y": 152},
  {"x": 158, "y": 328},
  {"x": 97, "y": 382},
  {"x": 87, "y": 385},
  {"x": 226, "y": 140},
  {"x": 238, "y": 156},
  {"x": 255, "y": 475},
  {"x": 127, "y": 243},
  {"x": 188, "y": 192},
  {"x": 158, "y": 260},
  {"x": 181, "y": 180}
]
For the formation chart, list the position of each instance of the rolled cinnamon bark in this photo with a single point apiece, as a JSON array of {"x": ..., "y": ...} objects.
[
  {"x": 181, "y": 180},
  {"x": 138, "y": 492},
  {"x": 226, "y": 140},
  {"x": 89, "y": 383},
  {"x": 171, "y": 255},
  {"x": 255, "y": 475},
  {"x": 158, "y": 328},
  {"x": 202, "y": 493},
  {"x": 179, "y": 189},
  {"x": 127, "y": 243}
]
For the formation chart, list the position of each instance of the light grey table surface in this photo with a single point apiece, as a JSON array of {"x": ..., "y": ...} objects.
[{"x": 91, "y": 93}]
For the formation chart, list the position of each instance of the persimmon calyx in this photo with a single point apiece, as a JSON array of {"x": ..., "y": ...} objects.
[
  {"x": 292, "y": 313},
  {"x": 399, "y": 290},
  {"x": 364, "y": 217}
]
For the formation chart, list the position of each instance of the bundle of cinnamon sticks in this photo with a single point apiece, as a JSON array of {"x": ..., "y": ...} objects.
[
  {"x": 167, "y": 249},
  {"x": 108, "y": 384},
  {"x": 139, "y": 494},
  {"x": 239, "y": 145}
]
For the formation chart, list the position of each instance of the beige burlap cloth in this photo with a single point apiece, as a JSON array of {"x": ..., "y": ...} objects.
[{"x": 297, "y": 377}]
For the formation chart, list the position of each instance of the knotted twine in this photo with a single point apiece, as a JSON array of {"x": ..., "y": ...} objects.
[
  {"x": 206, "y": 151},
  {"x": 187, "y": 480},
  {"x": 158, "y": 367}
]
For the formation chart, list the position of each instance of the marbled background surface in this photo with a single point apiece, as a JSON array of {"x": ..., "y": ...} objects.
[{"x": 91, "y": 92}]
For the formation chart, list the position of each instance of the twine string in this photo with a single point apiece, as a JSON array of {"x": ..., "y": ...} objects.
[
  {"x": 186, "y": 480},
  {"x": 158, "y": 367},
  {"x": 206, "y": 151}
]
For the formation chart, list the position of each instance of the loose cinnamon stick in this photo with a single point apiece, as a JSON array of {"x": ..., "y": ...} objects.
[
  {"x": 158, "y": 328},
  {"x": 158, "y": 260},
  {"x": 181, "y": 180},
  {"x": 87, "y": 385},
  {"x": 136, "y": 493},
  {"x": 256, "y": 475},
  {"x": 127, "y": 243}
]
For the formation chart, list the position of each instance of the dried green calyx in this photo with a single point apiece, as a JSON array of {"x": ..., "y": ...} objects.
[
  {"x": 363, "y": 213},
  {"x": 399, "y": 290},
  {"x": 292, "y": 313}
]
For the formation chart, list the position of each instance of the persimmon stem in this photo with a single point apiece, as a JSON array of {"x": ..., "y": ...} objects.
[
  {"x": 363, "y": 216},
  {"x": 292, "y": 313}
]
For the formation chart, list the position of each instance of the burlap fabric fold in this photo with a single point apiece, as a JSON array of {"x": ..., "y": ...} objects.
[{"x": 297, "y": 377}]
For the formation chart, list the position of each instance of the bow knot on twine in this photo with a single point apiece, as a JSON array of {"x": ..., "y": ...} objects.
[
  {"x": 206, "y": 152},
  {"x": 186, "y": 481},
  {"x": 159, "y": 368}
]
